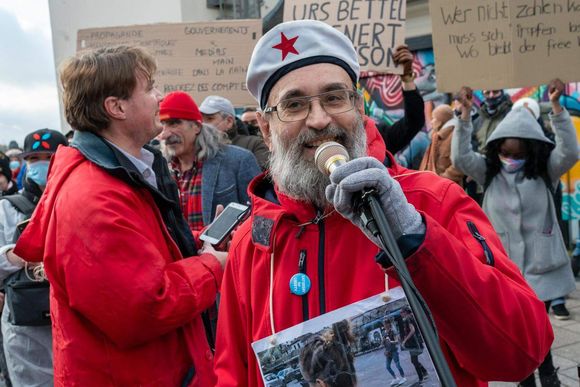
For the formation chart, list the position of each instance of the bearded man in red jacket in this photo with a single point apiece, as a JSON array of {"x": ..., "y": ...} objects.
[{"x": 304, "y": 74}]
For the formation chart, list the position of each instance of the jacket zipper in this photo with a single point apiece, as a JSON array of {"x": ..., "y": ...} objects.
[
  {"x": 486, "y": 250},
  {"x": 321, "y": 293},
  {"x": 302, "y": 270}
]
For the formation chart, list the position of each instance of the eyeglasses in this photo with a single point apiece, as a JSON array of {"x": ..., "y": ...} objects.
[{"x": 297, "y": 109}]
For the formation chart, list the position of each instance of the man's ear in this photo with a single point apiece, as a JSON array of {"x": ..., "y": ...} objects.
[
  {"x": 196, "y": 126},
  {"x": 115, "y": 108},
  {"x": 265, "y": 129},
  {"x": 231, "y": 121}
]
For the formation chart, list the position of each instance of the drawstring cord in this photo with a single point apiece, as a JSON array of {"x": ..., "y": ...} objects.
[
  {"x": 271, "y": 293},
  {"x": 302, "y": 226}
]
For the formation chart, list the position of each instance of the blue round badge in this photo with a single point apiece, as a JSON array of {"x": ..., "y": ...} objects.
[{"x": 300, "y": 284}]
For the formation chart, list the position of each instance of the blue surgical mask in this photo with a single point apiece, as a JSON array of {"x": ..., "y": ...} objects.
[
  {"x": 38, "y": 171},
  {"x": 14, "y": 164},
  {"x": 511, "y": 165}
]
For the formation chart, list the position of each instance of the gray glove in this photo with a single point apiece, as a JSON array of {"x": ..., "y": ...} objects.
[{"x": 353, "y": 177}]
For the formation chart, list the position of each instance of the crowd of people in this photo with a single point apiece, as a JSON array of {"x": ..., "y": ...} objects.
[{"x": 105, "y": 229}]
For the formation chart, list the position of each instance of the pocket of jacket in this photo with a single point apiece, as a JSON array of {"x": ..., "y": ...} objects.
[
  {"x": 549, "y": 253},
  {"x": 226, "y": 191}
]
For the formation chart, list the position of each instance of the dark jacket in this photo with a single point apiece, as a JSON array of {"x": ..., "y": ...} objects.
[
  {"x": 225, "y": 179},
  {"x": 255, "y": 144},
  {"x": 400, "y": 134},
  {"x": 490, "y": 121}
]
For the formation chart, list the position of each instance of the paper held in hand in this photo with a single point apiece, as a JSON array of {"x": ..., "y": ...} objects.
[{"x": 355, "y": 342}]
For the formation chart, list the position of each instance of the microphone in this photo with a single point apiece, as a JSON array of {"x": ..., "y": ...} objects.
[{"x": 329, "y": 156}]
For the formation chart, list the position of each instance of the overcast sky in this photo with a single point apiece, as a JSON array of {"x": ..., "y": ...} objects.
[{"x": 28, "y": 95}]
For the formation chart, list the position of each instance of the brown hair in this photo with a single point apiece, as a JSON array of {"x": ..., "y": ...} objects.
[
  {"x": 328, "y": 357},
  {"x": 92, "y": 76}
]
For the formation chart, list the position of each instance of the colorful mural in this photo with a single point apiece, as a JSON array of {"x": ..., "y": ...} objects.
[
  {"x": 571, "y": 182},
  {"x": 383, "y": 101},
  {"x": 382, "y": 93}
]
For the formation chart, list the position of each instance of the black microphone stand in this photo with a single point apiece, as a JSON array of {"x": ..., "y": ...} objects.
[{"x": 375, "y": 221}]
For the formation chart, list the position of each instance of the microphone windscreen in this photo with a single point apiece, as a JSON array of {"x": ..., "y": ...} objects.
[{"x": 330, "y": 153}]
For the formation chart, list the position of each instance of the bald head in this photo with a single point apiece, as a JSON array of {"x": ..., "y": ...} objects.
[{"x": 441, "y": 115}]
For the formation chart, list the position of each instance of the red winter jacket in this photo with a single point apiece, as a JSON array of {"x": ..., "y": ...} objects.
[
  {"x": 125, "y": 305},
  {"x": 491, "y": 325}
]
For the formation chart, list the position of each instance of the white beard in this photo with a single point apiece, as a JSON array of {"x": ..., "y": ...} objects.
[{"x": 300, "y": 178}]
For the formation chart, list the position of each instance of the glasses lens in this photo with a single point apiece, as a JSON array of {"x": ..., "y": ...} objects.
[
  {"x": 338, "y": 101},
  {"x": 293, "y": 109},
  {"x": 333, "y": 102}
]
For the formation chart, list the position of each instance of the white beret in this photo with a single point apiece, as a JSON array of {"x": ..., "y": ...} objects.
[{"x": 295, "y": 44}]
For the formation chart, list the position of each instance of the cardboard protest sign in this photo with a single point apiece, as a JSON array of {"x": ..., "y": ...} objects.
[
  {"x": 199, "y": 58},
  {"x": 375, "y": 28},
  {"x": 495, "y": 44}
]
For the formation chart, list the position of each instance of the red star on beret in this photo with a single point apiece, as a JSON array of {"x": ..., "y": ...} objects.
[{"x": 286, "y": 46}]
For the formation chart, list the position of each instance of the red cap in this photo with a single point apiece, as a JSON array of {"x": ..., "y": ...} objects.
[{"x": 179, "y": 105}]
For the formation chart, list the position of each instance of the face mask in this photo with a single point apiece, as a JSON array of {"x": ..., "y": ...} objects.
[
  {"x": 493, "y": 103},
  {"x": 511, "y": 165},
  {"x": 38, "y": 171},
  {"x": 14, "y": 164}
]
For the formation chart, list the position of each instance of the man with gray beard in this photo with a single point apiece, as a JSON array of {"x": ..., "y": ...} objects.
[
  {"x": 207, "y": 171},
  {"x": 304, "y": 251},
  {"x": 304, "y": 180}
]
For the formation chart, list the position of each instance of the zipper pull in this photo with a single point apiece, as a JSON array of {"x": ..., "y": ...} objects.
[
  {"x": 475, "y": 231},
  {"x": 318, "y": 217},
  {"x": 481, "y": 239},
  {"x": 300, "y": 231},
  {"x": 302, "y": 262}
]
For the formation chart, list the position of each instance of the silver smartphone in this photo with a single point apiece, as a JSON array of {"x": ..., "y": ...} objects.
[{"x": 225, "y": 223}]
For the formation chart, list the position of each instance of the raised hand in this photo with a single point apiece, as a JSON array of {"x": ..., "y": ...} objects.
[
  {"x": 404, "y": 57},
  {"x": 555, "y": 91}
]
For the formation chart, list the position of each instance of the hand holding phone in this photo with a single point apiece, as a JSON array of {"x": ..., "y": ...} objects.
[
  {"x": 221, "y": 256},
  {"x": 225, "y": 223}
]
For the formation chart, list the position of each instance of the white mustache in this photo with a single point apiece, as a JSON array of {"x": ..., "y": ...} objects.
[{"x": 173, "y": 139}]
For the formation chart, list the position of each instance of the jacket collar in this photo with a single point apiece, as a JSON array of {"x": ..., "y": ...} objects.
[{"x": 98, "y": 151}]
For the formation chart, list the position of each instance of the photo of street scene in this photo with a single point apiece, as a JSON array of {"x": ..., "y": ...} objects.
[{"x": 369, "y": 343}]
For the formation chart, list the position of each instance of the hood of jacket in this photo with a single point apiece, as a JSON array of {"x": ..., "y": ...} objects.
[{"x": 519, "y": 123}]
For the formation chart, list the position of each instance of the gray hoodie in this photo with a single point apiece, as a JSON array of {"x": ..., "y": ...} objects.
[{"x": 522, "y": 210}]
